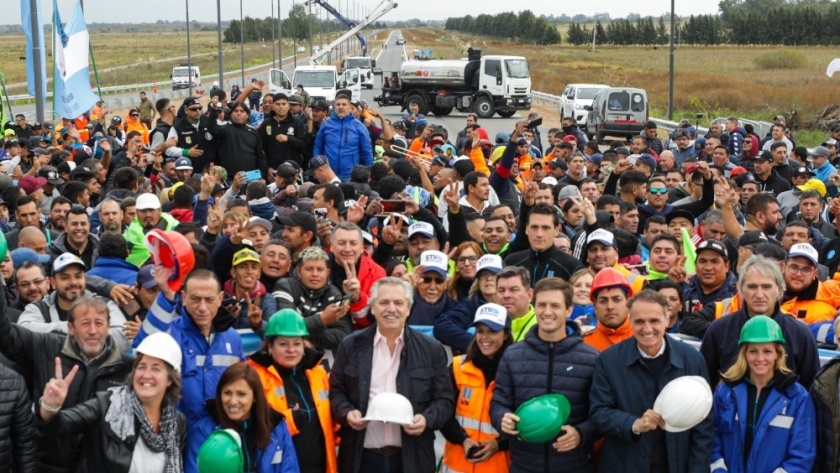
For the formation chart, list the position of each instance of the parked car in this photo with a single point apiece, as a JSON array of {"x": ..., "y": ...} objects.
[
  {"x": 575, "y": 98},
  {"x": 617, "y": 111},
  {"x": 301, "y": 49}
]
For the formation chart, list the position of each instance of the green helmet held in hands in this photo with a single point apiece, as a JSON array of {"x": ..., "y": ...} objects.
[
  {"x": 761, "y": 329},
  {"x": 221, "y": 453},
  {"x": 286, "y": 323},
  {"x": 541, "y": 418}
]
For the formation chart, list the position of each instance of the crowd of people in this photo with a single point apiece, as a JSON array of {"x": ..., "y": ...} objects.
[{"x": 468, "y": 271}]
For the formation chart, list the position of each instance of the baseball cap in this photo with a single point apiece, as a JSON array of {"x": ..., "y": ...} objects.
[
  {"x": 436, "y": 261},
  {"x": 183, "y": 163},
  {"x": 245, "y": 254},
  {"x": 51, "y": 175},
  {"x": 190, "y": 101},
  {"x": 295, "y": 99},
  {"x": 400, "y": 125},
  {"x": 764, "y": 156},
  {"x": 286, "y": 171},
  {"x": 304, "y": 220},
  {"x": 753, "y": 237},
  {"x": 677, "y": 213},
  {"x": 691, "y": 168},
  {"x": 10, "y": 143},
  {"x": 492, "y": 263},
  {"x": 622, "y": 150},
  {"x": 423, "y": 228},
  {"x": 820, "y": 151},
  {"x": 558, "y": 163},
  {"x": 538, "y": 162},
  {"x": 317, "y": 162},
  {"x": 713, "y": 245},
  {"x": 569, "y": 138},
  {"x": 522, "y": 141},
  {"x": 802, "y": 171},
  {"x": 835, "y": 127},
  {"x": 601, "y": 236},
  {"x": 737, "y": 171},
  {"x": 780, "y": 118},
  {"x": 493, "y": 316},
  {"x": 502, "y": 137},
  {"x": 647, "y": 160},
  {"x": 147, "y": 202},
  {"x": 550, "y": 180},
  {"x": 30, "y": 184},
  {"x": 813, "y": 185},
  {"x": 567, "y": 192},
  {"x": 24, "y": 255},
  {"x": 320, "y": 105},
  {"x": 38, "y": 151},
  {"x": 804, "y": 250},
  {"x": 344, "y": 94},
  {"x": 829, "y": 142},
  {"x": 146, "y": 277},
  {"x": 261, "y": 222},
  {"x": 66, "y": 260},
  {"x": 405, "y": 219},
  {"x": 699, "y": 143},
  {"x": 595, "y": 158}
]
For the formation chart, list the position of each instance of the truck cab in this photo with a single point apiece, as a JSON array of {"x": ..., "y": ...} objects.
[
  {"x": 364, "y": 64},
  {"x": 321, "y": 82},
  {"x": 183, "y": 75}
]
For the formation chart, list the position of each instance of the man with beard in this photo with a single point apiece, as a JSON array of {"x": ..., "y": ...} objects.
[
  {"x": 31, "y": 282},
  {"x": 110, "y": 217},
  {"x": 763, "y": 213},
  {"x": 769, "y": 181},
  {"x": 149, "y": 216},
  {"x": 86, "y": 346},
  {"x": 240, "y": 149},
  {"x": 58, "y": 214},
  {"x": 806, "y": 297},
  {"x": 299, "y": 230},
  {"x": 77, "y": 240},
  {"x": 27, "y": 214},
  {"x": 51, "y": 313}
]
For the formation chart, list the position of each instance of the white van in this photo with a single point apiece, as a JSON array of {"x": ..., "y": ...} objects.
[
  {"x": 182, "y": 75},
  {"x": 617, "y": 111},
  {"x": 575, "y": 98},
  {"x": 320, "y": 82},
  {"x": 364, "y": 64}
]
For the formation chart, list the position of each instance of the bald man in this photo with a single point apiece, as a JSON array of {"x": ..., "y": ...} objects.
[
  {"x": 666, "y": 161},
  {"x": 34, "y": 239}
]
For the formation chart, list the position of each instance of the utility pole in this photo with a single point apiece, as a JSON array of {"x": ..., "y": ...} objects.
[
  {"x": 309, "y": 14},
  {"x": 221, "y": 52},
  {"x": 294, "y": 31},
  {"x": 280, "y": 34},
  {"x": 37, "y": 39},
  {"x": 189, "y": 51},
  {"x": 242, "y": 43},
  {"x": 594, "y": 33},
  {"x": 273, "y": 56},
  {"x": 671, "y": 70}
]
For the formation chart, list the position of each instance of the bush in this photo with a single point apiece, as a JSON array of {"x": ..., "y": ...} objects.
[{"x": 781, "y": 59}]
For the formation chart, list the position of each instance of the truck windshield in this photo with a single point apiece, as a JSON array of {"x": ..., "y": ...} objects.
[
  {"x": 180, "y": 73},
  {"x": 358, "y": 63},
  {"x": 586, "y": 94},
  {"x": 517, "y": 68},
  {"x": 315, "y": 78}
]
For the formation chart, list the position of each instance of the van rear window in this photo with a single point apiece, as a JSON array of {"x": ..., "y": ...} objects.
[
  {"x": 619, "y": 101},
  {"x": 638, "y": 103}
]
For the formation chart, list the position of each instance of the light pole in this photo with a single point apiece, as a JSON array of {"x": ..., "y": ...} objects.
[
  {"x": 37, "y": 67},
  {"x": 273, "y": 56},
  {"x": 280, "y": 34},
  {"x": 294, "y": 31},
  {"x": 309, "y": 14},
  {"x": 221, "y": 52},
  {"x": 189, "y": 51},
  {"x": 671, "y": 71},
  {"x": 242, "y": 42}
]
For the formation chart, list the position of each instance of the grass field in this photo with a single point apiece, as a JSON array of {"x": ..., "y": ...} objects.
[{"x": 716, "y": 81}]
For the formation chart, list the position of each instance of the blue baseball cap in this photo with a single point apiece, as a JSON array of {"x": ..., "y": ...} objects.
[
  {"x": 595, "y": 158},
  {"x": 493, "y": 316},
  {"x": 23, "y": 255}
]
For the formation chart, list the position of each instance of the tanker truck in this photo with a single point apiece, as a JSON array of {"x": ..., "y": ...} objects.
[{"x": 483, "y": 85}]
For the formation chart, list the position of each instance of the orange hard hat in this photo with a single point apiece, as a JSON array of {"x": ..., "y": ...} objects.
[
  {"x": 609, "y": 277},
  {"x": 171, "y": 250}
]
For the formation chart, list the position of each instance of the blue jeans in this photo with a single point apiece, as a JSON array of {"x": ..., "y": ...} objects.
[{"x": 372, "y": 461}]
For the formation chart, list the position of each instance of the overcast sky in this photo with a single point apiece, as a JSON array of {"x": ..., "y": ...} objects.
[{"x": 205, "y": 10}]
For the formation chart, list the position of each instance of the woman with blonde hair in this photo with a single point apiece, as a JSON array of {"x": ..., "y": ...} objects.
[
  {"x": 764, "y": 419},
  {"x": 466, "y": 257},
  {"x": 583, "y": 312}
]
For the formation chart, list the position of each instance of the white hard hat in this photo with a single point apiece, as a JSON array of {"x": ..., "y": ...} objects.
[
  {"x": 390, "y": 407},
  {"x": 162, "y": 345},
  {"x": 684, "y": 403}
]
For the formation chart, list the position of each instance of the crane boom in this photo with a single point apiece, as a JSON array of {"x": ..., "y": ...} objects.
[
  {"x": 384, "y": 7},
  {"x": 349, "y": 23}
]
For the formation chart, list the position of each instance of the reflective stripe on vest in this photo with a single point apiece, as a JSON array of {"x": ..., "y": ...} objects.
[
  {"x": 445, "y": 469},
  {"x": 217, "y": 360},
  {"x": 280, "y": 391},
  {"x": 722, "y": 307},
  {"x": 323, "y": 395},
  {"x": 469, "y": 423}
]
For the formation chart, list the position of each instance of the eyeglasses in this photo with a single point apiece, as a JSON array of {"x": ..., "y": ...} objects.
[
  {"x": 429, "y": 280},
  {"x": 195, "y": 109},
  {"x": 26, "y": 285},
  {"x": 467, "y": 259},
  {"x": 135, "y": 115},
  {"x": 807, "y": 271},
  {"x": 659, "y": 190}
]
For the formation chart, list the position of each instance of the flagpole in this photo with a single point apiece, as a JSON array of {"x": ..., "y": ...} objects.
[
  {"x": 37, "y": 39},
  {"x": 95, "y": 72},
  {"x": 54, "y": 67},
  {"x": 7, "y": 102}
]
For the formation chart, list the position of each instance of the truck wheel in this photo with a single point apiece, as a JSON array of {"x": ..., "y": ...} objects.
[
  {"x": 420, "y": 101},
  {"x": 484, "y": 107},
  {"x": 507, "y": 114},
  {"x": 599, "y": 138},
  {"x": 441, "y": 111}
]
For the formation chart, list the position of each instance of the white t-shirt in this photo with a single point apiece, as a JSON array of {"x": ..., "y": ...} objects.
[{"x": 146, "y": 461}]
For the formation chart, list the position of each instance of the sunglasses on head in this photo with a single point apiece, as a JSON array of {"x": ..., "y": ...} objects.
[
  {"x": 659, "y": 190},
  {"x": 437, "y": 280}
]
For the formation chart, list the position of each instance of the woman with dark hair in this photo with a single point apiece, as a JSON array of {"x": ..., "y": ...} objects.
[
  {"x": 240, "y": 405},
  {"x": 129, "y": 429},
  {"x": 676, "y": 303},
  {"x": 572, "y": 217},
  {"x": 472, "y": 444},
  {"x": 466, "y": 256}
]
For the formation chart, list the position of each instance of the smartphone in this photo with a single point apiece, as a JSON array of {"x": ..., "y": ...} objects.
[
  {"x": 345, "y": 300},
  {"x": 320, "y": 213},
  {"x": 535, "y": 122},
  {"x": 228, "y": 301},
  {"x": 393, "y": 205},
  {"x": 472, "y": 452},
  {"x": 131, "y": 309},
  {"x": 254, "y": 175}
]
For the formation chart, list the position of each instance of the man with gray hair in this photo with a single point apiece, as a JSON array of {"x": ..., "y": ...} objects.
[
  {"x": 760, "y": 285},
  {"x": 390, "y": 357}
]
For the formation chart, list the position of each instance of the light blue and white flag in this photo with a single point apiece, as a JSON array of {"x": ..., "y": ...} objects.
[
  {"x": 73, "y": 95},
  {"x": 26, "y": 22}
]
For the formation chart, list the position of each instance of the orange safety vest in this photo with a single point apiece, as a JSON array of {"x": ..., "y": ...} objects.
[
  {"x": 604, "y": 337},
  {"x": 472, "y": 411},
  {"x": 138, "y": 126},
  {"x": 636, "y": 281},
  {"x": 275, "y": 394},
  {"x": 81, "y": 124},
  {"x": 821, "y": 309},
  {"x": 727, "y": 306},
  {"x": 524, "y": 164}
]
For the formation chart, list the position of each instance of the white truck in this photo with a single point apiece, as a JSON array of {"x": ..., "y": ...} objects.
[
  {"x": 184, "y": 74},
  {"x": 485, "y": 85},
  {"x": 364, "y": 64},
  {"x": 321, "y": 82}
]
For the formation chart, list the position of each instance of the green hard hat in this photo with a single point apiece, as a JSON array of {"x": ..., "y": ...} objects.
[
  {"x": 761, "y": 329},
  {"x": 221, "y": 453},
  {"x": 541, "y": 418},
  {"x": 4, "y": 247},
  {"x": 286, "y": 323}
]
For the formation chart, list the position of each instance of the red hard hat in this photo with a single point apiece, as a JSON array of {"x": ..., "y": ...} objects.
[
  {"x": 609, "y": 277},
  {"x": 171, "y": 250}
]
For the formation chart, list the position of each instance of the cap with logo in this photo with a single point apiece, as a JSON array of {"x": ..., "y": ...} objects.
[
  {"x": 436, "y": 261},
  {"x": 802, "y": 171},
  {"x": 317, "y": 162},
  {"x": 183, "y": 163},
  {"x": 804, "y": 250},
  {"x": 764, "y": 156},
  {"x": 10, "y": 143},
  {"x": 753, "y": 237},
  {"x": 494, "y": 316},
  {"x": 65, "y": 261},
  {"x": 713, "y": 245},
  {"x": 820, "y": 151},
  {"x": 147, "y": 202},
  {"x": 245, "y": 254},
  {"x": 421, "y": 228},
  {"x": 304, "y": 220},
  {"x": 190, "y": 101},
  {"x": 492, "y": 263},
  {"x": 260, "y": 222},
  {"x": 699, "y": 144},
  {"x": 679, "y": 213},
  {"x": 601, "y": 236},
  {"x": 814, "y": 185},
  {"x": 146, "y": 277},
  {"x": 51, "y": 175},
  {"x": 320, "y": 105}
]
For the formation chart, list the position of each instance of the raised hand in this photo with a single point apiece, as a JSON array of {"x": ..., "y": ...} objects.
[
  {"x": 723, "y": 193},
  {"x": 351, "y": 284},
  {"x": 452, "y": 197},
  {"x": 678, "y": 273},
  {"x": 55, "y": 391},
  {"x": 162, "y": 276},
  {"x": 356, "y": 212},
  {"x": 393, "y": 230},
  {"x": 255, "y": 313}
]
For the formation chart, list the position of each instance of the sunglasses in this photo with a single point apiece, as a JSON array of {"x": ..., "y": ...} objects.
[
  {"x": 429, "y": 280},
  {"x": 658, "y": 190},
  {"x": 195, "y": 109},
  {"x": 135, "y": 114}
]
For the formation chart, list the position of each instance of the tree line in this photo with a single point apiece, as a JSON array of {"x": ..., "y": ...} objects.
[
  {"x": 524, "y": 27},
  {"x": 295, "y": 26}
]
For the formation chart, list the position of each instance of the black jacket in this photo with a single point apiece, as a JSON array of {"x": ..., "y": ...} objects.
[
  {"x": 623, "y": 389},
  {"x": 204, "y": 135},
  {"x": 17, "y": 430},
  {"x": 277, "y": 153},
  {"x": 423, "y": 378},
  {"x": 36, "y": 353},
  {"x": 720, "y": 345},
  {"x": 825, "y": 394},
  {"x": 545, "y": 264},
  {"x": 241, "y": 149},
  {"x": 103, "y": 450},
  {"x": 290, "y": 293},
  {"x": 532, "y": 368},
  {"x": 774, "y": 185}
]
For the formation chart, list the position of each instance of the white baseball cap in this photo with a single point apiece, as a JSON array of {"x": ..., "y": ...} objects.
[
  {"x": 602, "y": 236},
  {"x": 804, "y": 250},
  {"x": 435, "y": 261},
  {"x": 423, "y": 228},
  {"x": 493, "y": 316},
  {"x": 147, "y": 202},
  {"x": 492, "y": 263},
  {"x": 67, "y": 260},
  {"x": 550, "y": 180}
]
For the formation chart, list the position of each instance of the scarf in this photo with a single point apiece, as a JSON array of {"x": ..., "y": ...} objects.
[
  {"x": 126, "y": 407},
  {"x": 263, "y": 208}
]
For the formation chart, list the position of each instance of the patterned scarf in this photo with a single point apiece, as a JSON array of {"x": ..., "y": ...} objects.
[{"x": 126, "y": 406}]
